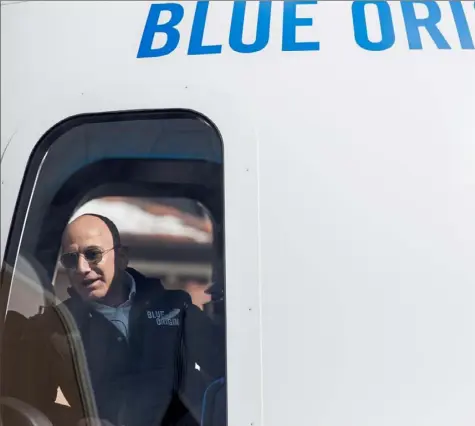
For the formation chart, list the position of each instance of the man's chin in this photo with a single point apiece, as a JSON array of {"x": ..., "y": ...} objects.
[
  {"x": 91, "y": 297},
  {"x": 93, "y": 293}
]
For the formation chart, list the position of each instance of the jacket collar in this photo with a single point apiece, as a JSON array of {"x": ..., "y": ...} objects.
[{"x": 142, "y": 288}]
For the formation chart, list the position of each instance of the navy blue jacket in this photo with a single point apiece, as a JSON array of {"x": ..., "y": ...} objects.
[{"x": 159, "y": 376}]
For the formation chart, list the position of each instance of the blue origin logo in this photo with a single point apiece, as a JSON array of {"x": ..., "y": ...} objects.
[{"x": 296, "y": 14}]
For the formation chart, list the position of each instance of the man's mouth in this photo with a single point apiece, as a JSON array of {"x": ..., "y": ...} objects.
[{"x": 89, "y": 283}]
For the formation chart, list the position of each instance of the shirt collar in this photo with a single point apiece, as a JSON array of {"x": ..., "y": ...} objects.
[{"x": 131, "y": 285}]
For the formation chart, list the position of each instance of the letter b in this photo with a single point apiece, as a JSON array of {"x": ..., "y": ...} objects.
[{"x": 152, "y": 27}]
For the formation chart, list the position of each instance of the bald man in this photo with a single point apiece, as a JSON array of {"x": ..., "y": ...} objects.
[
  {"x": 122, "y": 349},
  {"x": 95, "y": 260}
]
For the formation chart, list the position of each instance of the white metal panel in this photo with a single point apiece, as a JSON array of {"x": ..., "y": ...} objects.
[
  {"x": 362, "y": 165},
  {"x": 78, "y": 81}
]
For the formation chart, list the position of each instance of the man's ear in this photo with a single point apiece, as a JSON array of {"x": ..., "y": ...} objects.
[{"x": 123, "y": 257}]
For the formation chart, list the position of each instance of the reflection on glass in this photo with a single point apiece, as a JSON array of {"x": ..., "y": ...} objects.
[{"x": 128, "y": 334}]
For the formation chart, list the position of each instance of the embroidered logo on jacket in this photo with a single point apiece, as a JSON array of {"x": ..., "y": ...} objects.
[{"x": 162, "y": 318}]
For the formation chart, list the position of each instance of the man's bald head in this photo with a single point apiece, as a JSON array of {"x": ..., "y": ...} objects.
[
  {"x": 93, "y": 244},
  {"x": 92, "y": 220}
]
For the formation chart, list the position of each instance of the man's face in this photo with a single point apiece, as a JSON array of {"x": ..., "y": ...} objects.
[{"x": 86, "y": 238}]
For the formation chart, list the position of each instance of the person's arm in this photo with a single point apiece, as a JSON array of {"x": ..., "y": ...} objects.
[
  {"x": 203, "y": 360},
  {"x": 40, "y": 379},
  {"x": 204, "y": 342},
  {"x": 13, "y": 357}
]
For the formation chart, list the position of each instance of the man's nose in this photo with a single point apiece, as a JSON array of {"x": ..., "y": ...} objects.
[{"x": 83, "y": 265}]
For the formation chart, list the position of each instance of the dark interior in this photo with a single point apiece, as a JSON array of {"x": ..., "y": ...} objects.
[
  {"x": 174, "y": 155},
  {"x": 197, "y": 180}
]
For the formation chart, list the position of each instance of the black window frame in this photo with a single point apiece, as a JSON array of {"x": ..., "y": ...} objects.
[{"x": 19, "y": 218}]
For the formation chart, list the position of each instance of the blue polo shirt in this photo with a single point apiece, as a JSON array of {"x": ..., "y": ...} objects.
[{"x": 119, "y": 315}]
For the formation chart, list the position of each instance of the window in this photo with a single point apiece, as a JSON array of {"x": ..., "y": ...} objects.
[{"x": 159, "y": 177}]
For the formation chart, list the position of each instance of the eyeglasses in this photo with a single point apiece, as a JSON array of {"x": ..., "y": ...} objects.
[{"x": 92, "y": 255}]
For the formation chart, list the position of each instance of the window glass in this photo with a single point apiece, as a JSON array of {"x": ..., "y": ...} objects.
[{"x": 116, "y": 303}]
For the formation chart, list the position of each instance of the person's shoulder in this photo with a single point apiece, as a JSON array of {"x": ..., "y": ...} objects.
[
  {"x": 41, "y": 325},
  {"x": 56, "y": 318},
  {"x": 176, "y": 298},
  {"x": 153, "y": 288}
]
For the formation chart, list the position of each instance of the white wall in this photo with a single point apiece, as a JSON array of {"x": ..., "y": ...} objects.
[{"x": 360, "y": 311}]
